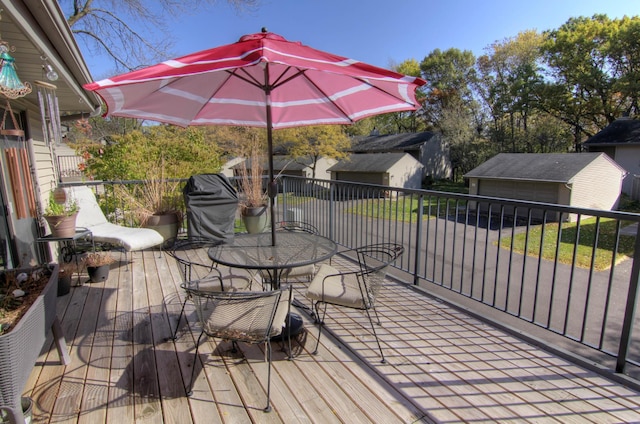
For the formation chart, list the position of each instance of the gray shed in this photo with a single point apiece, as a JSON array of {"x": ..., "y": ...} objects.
[
  {"x": 389, "y": 169},
  {"x": 426, "y": 147},
  {"x": 589, "y": 180}
]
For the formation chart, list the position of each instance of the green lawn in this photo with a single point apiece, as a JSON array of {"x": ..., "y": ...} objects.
[
  {"x": 584, "y": 253},
  {"x": 405, "y": 209}
]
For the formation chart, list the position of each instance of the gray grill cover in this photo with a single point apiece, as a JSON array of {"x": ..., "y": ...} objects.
[{"x": 211, "y": 203}]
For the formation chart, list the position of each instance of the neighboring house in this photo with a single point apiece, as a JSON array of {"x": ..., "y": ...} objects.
[
  {"x": 621, "y": 141},
  {"x": 588, "y": 180},
  {"x": 302, "y": 167},
  {"x": 428, "y": 148},
  {"x": 38, "y": 31},
  {"x": 389, "y": 169},
  {"x": 228, "y": 169}
]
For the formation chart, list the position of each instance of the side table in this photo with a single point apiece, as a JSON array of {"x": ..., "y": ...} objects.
[{"x": 69, "y": 250}]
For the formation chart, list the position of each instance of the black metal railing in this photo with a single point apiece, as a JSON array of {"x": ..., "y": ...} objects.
[
  {"x": 70, "y": 166},
  {"x": 569, "y": 271}
]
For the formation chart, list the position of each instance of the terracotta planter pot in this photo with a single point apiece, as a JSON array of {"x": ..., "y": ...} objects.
[
  {"x": 62, "y": 225},
  {"x": 98, "y": 273},
  {"x": 255, "y": 219},
  {"x": 166, "y": 224}
]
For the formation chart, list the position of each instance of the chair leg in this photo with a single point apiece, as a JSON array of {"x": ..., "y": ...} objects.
[
  {"x": 290, "y": 300},
  {"x": 320, "y": 324},
  {"x": 174, "y": 336},
  {"x": 373, "y": 328},
  {"x": 268, "y": 407},
  {"x": 189, "y": 391}
]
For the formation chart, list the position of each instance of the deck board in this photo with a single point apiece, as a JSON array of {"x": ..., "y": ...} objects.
[{"x": 442, "y": 365}]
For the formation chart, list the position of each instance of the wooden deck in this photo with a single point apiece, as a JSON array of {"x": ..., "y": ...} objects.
[{"x": 442, "y": 366}]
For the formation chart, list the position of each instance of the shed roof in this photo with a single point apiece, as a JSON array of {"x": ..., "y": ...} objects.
[
  {"x": 548, "y": 167},
  {"x": 621, "y": 131},
  {"x": 280, "y": 162},
  {"x": 369, "y": 162},
  {"x": 388, "y": 143}
]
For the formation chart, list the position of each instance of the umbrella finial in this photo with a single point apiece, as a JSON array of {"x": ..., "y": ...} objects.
[{"x": 264, "y": 30}]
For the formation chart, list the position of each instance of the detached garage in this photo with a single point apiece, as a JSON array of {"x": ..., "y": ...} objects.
[
  {"x": 587, "y": 180},
  {"x": 388, "y": 169}
]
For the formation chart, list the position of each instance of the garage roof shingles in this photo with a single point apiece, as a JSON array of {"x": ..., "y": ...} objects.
[
  {"x": 368, "y": 162},
  {"x": 548, "y": 167}
]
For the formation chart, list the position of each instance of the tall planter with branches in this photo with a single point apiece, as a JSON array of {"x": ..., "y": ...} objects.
[
  {"x": 157, "y": 202},
  {"x": 253, "y": 203}
]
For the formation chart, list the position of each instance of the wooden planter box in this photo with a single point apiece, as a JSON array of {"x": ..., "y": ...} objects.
[{"x": 20, "y": 348}]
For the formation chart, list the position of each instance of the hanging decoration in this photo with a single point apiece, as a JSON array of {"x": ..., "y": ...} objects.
[
  {"x": 10, "y": 84},
  {"x": 15, "y": 131},
  {"x": 49, "y": 112}
]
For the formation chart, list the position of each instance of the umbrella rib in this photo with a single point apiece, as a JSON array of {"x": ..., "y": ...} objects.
[
  {"x": 251, "y": 80},
  {"x": 277, "y": 83},
  {"x": 346, "y": 115}
]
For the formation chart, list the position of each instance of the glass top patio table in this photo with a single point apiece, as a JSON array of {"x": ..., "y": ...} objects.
[{"x": 254, "y": 251}]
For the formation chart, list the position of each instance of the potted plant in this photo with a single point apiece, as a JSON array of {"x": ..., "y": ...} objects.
[
  {"x": 157, "y": 202},
  {"x": 253, "y": 202},
  {"x": 98, "y": 265},
  {"x": 61, "y": 213},
  {"x": 65, "y": 274}
]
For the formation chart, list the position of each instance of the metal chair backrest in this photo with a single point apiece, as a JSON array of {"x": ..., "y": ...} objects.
[
  {"x": 297, "y": 226},
  {"x": 252, "y": 317},
  {"x": 374, "y": 261},
  {"x": 192, "y": 257}
]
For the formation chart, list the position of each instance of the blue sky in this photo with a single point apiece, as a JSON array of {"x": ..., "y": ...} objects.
[{"x": 380, "y": 32}]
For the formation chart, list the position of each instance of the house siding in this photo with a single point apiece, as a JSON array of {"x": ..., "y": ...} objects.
[
  {"x": 628, "y": 157},
  {"x": 597, "y": 186},
  {"x": 406, "y": 173},
  {"x": 434, "y": 156}
]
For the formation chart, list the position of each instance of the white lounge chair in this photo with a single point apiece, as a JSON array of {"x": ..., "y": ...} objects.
[{"x": 90, "y": 216}]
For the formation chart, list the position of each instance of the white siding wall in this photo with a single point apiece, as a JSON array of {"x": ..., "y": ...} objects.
[
  {"x": 598, "y": 185},
  {"x": 406, "y": 173},
  {"x": 322, "y": 166}
]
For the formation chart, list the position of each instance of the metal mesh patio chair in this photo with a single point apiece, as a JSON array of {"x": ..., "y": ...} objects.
[
  {"x": 251, "y": 317},
  {"x": 301, "y": 272},
  {"x": 354, "y": 289},
  {"x": 193, "y": 263}
]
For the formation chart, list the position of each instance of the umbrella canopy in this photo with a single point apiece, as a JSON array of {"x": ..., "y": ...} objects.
[{"x": 262, "y": 80}]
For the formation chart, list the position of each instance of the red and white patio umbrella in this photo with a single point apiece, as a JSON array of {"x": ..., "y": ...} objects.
[{"x": 262, "y": 80}]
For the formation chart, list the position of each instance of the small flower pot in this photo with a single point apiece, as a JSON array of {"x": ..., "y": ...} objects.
[
  {"x": 98, "y": 273},
  {"x": 64, "y": 283}
]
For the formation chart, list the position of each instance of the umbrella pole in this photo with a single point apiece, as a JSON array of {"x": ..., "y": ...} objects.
[
  {"x": 273, "y": 186},
  {"x": 273, "y": 189}
]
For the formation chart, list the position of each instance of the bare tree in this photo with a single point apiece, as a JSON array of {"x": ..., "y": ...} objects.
[{"x": 132, "y": 33}]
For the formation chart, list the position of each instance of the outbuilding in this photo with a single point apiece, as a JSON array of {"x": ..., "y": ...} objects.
[
  {"x": 588, "y": 180},
  {"x": 388, "y": 169},
  {"x": 428, "y": 148}
]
